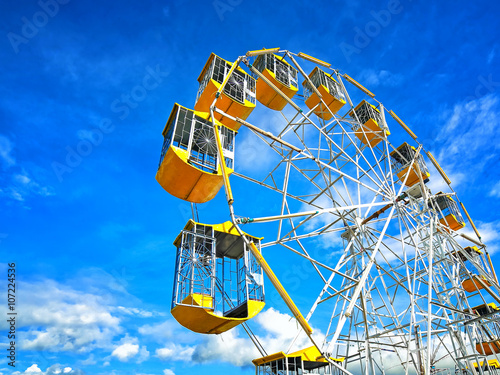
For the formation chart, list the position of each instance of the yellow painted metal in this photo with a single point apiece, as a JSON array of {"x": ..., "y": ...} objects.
[
  {"x": 473, "y": 284},
  {"x": 182, "y": 179},
  {"x": 197, "y": 314},
  {"x": 491, "y": 305},
  {"x": 280, "y": 289},
  {"x": 452, "y": 222},
  {"x": 438, "y": 167},
  {"x": 470, "y": 250},
  {"x": 488, "y": 347},
  {"x": 311, "y": 354},
  {"x": 185, "y": 181},
  {"x": 314, "y": 60},
  {"x": 224, "y": 102},
  {"x": 491, "y": 265},
  {"x": 492, "y": 363},
  {"x": 372, "y": 132},
  {"x": 267, "y": 95},
  {"x": 197, "y": 310},
  {"x": 470, "y": 221},
  {"x": 403, "y": 125},
  {"x": 222, "y": 164},
  {"x": 359, "y": 86},
  {"x": 414, "y": 173},
  {"x": 262, "y": 51},
  {"x": 329, "y": 99},
  {"x": 226, "y": 227}
]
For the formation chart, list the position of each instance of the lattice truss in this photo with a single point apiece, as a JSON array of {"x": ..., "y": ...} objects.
[{"x": 399, "y": 285}]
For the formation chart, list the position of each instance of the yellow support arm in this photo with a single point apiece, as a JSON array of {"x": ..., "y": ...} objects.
[
  {"x": 281, "y": 290},
  {"x": 314, "y": 60},
  {"x": 233, "y": 67},
  {"x": 359, "y": 86},
  {"x": 470, "y": 221},
  {"x": 222, "y": 160},
  {"x": 403, "y": 125},
  {"x": 262, "y": 51},
  {"x": 441, "y": 172}
]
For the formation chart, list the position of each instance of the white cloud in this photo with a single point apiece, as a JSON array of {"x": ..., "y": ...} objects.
[
  {"x": 168, "y": 372},
  {"x": 469, "y": 140},
  {"x": 125, "y": 351},
  {"x": 382, "y": 77},
  {"x": 135, "y": 311},
  {"x": 6, "y": 147},
  {"x": 495, "y": 190},
  {"x": 56, "y": 369},
  {"x": 278, "y": 331},
  {"x": 227, "y": 347},
  {"x": 34, "y": 369},
  {"x": 165, "y": 331},
  {"x": 175, "y": 352},
  {"x": 60, "y": 318},
  {"x": 22, "y": 186}
]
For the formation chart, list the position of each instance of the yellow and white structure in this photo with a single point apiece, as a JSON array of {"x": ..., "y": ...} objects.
[
  {"x": 375, "y": 254},
  {"x": 370, "y": 129},
  {"x": 305, "y": 361},
  {"x": 408, "y": 166},
  {"x": 281, "y": 74},
  {"x": 189, "y": 167},
  {"x": 450, "y": 215},
  {"x": 331, "y": 97},
  {"x": 218, "y": 283},
  {"x": 237, "y": 98}
]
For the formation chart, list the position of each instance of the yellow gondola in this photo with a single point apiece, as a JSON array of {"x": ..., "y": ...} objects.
[
  {"x": 305, "y": 361},
  {"x": 370, "y": 130},
  {"x": 189, "y": 167},
  {"x": 492, "y": 366},
  {"x": 218, "y": 283},
  {"x": 488, "y": 347},
  {"x": 473, "y": 284},
  {"x": 330, "y": 91},
  {"x": 238, "y": 97},
  {"x": 450, "y": 214},
  {"x": 403, "y": 158},
  {"x": 281, "y": 74}
]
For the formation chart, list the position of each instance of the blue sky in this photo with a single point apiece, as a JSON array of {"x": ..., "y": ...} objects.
[{"x": 86, "y": 90}]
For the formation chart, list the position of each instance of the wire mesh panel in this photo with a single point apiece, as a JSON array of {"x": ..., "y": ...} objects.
[
  {"x": 404, "y": 156},
  {"x": 195, "y": 134},
  {"x": 195, "y": 270},
  {"x": 240, "y": 86},
  {"x": 320, "y": 78},
  {"x": 448, "y": 206},
  {"x": 285, "y": 74},
  {"x": 365, "y": 111}
]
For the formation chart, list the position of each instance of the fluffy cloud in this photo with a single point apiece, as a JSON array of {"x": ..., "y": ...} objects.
[
  {"x": 382, "y": 77},
  {"x": 470, "y": 131},
  {"x": 52, "y": 370},
  {"x": 175, "y": 352},
  {"x": 125, "y": 351},
  {"x": 72, "y": 320},
  {"x": 6, "y": 158},
  {"x": 229, "y": 347}
]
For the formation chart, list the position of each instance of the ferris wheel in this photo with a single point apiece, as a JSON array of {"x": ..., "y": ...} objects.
[{"x": 400, "y": 285}]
